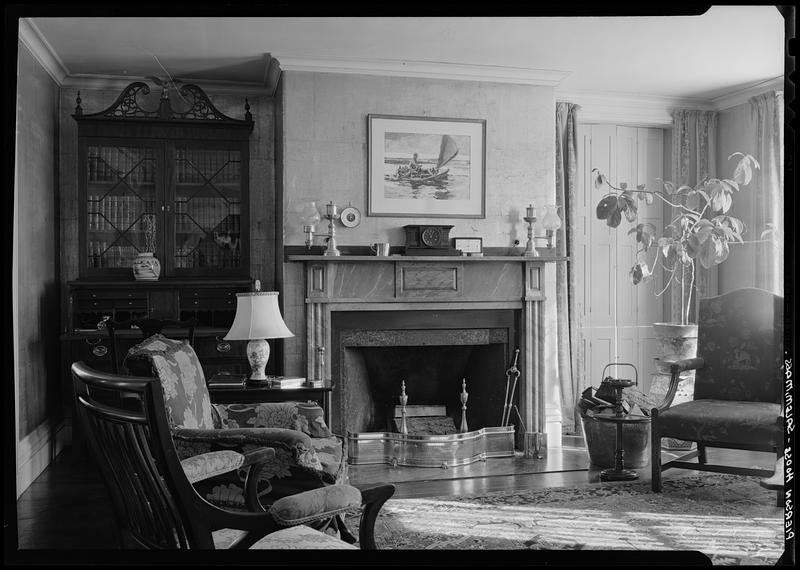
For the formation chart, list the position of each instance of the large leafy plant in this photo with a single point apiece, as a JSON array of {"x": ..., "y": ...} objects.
[{"x": 701, "y": 230}]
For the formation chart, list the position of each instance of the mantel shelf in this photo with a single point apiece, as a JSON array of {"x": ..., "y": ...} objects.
[{"x": 426, "y": 258}]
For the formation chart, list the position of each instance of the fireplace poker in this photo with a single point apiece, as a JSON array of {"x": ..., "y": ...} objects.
[{"x": 512, "y": 371}]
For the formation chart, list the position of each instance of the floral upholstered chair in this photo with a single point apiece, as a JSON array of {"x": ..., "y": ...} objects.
[
  {"x": 737, "y": 389},
  {"x": 307, "y": 454}
]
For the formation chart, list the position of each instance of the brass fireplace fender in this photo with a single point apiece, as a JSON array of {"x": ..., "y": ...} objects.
[{"x": 430, "y": 450}]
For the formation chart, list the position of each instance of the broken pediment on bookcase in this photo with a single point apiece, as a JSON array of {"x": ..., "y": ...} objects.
[{"x": 192, "y": 105}]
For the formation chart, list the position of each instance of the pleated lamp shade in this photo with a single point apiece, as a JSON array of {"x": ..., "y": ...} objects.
[{"x": 257, "y": 317}]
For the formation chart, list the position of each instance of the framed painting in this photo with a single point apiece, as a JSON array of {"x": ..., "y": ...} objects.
[{"x": 426, "y": 167}]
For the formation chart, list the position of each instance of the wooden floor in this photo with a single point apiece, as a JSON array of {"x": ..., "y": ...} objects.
[{"x": 67, "y": 506}]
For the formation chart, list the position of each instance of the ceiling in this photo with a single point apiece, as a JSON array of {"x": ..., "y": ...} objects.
[{"x": 703, "y": 57}]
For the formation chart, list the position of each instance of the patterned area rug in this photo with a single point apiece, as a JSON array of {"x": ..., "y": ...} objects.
[{"x": 729, "y": 518}]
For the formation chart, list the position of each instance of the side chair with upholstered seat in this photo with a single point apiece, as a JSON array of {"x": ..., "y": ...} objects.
[
  {"x": 737, "y": 387},
  {"x": 158, "y": 507}
]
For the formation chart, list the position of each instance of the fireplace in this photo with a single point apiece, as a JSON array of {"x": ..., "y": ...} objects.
[
  {"x": 432, "y": 352},
  {"x": 373, "y": 322}
]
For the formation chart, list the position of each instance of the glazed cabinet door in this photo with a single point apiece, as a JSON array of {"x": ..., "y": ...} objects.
[
  {"x": 208, "y": 203},
  {"x": 121, "y": 185}
]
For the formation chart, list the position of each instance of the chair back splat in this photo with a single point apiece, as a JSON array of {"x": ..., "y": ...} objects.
[{"x": 129, "y": 446}]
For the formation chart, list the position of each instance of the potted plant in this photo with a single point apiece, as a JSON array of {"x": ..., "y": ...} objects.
[{"x": 701, "y": 230}]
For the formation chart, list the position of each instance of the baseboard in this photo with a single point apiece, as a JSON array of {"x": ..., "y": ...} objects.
[
  {"x": 572, "y": 441},
  {"x": 37, "y": 449}
]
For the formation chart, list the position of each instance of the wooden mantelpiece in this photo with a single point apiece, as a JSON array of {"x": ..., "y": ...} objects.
[{"x": 432, "y": 283}]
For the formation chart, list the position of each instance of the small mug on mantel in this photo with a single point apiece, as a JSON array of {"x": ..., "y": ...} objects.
[{"x": 379, "y": 248}]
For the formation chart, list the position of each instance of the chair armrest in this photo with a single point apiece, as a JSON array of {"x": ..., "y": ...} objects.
[
  {"x": 687, "y": 364},
  {"x": 372, "y": 499},
  {"x": 294, "y": 442},
  {"x": 207, "y": 465},
  {"x": 675, "y": 370},
  {"x": 243, "y": 436},
  {"x": 316, "y": 504}
]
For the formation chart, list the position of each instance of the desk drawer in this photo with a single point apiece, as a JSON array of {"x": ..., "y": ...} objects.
[{"x": 214, "y": 347}]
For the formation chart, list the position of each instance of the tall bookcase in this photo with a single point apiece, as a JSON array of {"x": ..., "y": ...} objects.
[
  {"x": 171, "y": 180},
  {"x": 174, "y": 183}
]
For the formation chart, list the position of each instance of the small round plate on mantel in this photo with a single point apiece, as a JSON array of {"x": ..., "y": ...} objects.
[{"x": 350, "y": 217}]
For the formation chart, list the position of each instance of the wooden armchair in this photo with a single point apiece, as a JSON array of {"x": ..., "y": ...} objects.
[
  {"x": 738, "y": 385},
  {"x": 152, "y": 491}
]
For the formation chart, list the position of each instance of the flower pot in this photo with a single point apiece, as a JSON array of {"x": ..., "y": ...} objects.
[
  {"x": 146, "y": 267},
  {"x": 675, "y": 342}
]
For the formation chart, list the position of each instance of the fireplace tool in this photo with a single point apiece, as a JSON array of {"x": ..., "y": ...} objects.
[
  {"x": 403, "y": 403},
  {"x": 463, "y": 397},
  {"x": 513, "y": 371}
]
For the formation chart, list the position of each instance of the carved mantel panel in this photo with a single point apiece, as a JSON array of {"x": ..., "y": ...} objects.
[{"x": 404, "y": 283}]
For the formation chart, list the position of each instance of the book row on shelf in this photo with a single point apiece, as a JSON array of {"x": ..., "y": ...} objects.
[
  {"x": 210, "y": 256},
  {"x": 111, "y": 163},
  {"x": 117, "y": 212},
  {"x": 216, "y": 166},
  {"x": 103, "y": 256},
  {"x": 198, "y": 213}
]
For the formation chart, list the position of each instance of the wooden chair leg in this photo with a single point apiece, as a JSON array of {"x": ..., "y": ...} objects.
[
  {"x": 701, "y": 454},
  {"x": 655, "y": 452},
  {"x": 344, "y": 532}
]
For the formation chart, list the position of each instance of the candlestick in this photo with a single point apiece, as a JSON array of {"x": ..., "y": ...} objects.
[
  {"x": 530, "y": 218},
  {"x": 464, "y": 395}
]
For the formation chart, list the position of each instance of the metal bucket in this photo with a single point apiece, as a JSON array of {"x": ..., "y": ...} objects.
[{"x": 601, "y": 442}]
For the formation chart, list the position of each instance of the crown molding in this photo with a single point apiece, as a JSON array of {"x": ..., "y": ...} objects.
[
  {"x": 426, "y": 69},
  {"x": 117, "y": 82},
  {"x": 628, "y": 109},
  {"x": 739, "y": 97},
  {"x": 44, "y": 53}
]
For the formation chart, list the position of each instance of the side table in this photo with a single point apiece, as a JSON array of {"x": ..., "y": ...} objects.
[
  {"x": 619, "y": 472},
  {"x": 257, "y": 393}
]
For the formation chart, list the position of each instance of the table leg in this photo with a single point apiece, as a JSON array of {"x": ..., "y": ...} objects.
[{"x": 618, "y": 473}]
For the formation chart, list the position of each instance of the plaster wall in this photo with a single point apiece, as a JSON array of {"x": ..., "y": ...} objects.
[
  {"x": 35, "y": 265},
  {"x": 324, "y": 145}
]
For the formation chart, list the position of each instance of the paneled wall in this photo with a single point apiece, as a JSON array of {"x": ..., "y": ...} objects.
[
  {"x": 614, "y": 315},
  {"x": 35, "y": 266}
]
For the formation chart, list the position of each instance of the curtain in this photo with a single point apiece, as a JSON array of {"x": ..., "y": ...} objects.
[
  {"x": 566, "y": 200},
  {"x": 767, "y": 186},
  {"x": 694, "y": 150}
]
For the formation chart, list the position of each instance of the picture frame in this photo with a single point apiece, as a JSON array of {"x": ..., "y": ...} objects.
[
  {"x": 426, "y": 167},
  {"x": 468, "y": 245}
]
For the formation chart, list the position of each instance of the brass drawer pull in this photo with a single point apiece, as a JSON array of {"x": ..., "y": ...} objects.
[{"x": 223, "y": 345}]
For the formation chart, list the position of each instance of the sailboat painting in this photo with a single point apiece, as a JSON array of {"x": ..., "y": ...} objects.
[{"x": 424, "y": 167}]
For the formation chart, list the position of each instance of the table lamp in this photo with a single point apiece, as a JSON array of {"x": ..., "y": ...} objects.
[{"x": 257, "y": 319}]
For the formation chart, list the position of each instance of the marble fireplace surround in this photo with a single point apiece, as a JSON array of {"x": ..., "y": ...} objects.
[{"x": 442, "y": 286}]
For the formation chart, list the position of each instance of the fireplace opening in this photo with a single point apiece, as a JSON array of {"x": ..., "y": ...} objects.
[
  {"x": 433, "y": 376},
  {"x": 432, "y": 351}
]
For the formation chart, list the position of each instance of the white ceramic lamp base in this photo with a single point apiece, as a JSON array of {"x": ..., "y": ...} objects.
[{"x": 258, "y": 356}]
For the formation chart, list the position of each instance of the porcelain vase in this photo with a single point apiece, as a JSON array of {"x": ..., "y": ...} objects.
[{"x": 146, "y": 267}]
